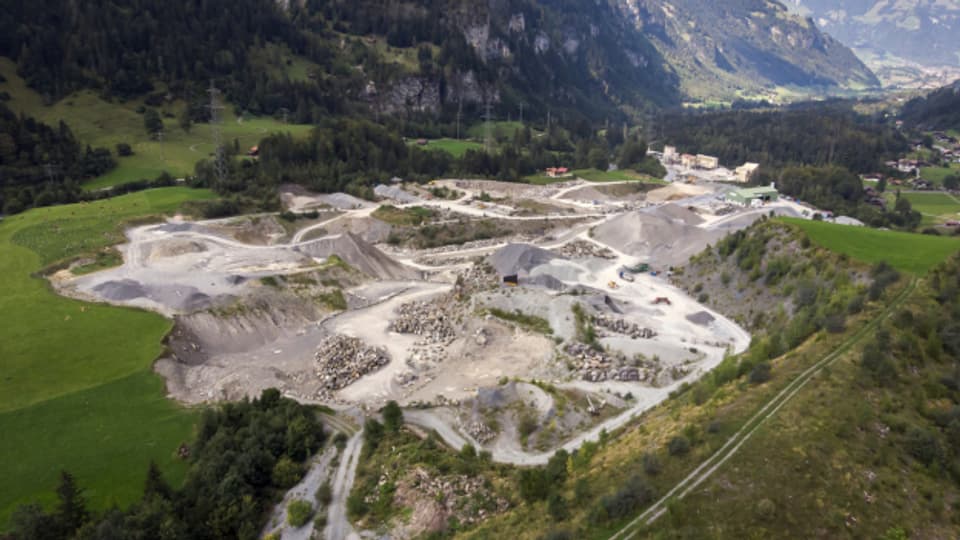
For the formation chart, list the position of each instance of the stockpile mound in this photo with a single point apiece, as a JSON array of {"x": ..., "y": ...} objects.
[
  {"x": 342, "y": 360},
  {"x": 360, "y": 255},
  {"x": 654, "y": 236},
  {"x": 395, "y": 193},
  {"x": 427, "y": 319},
  {"x": 516, "y": 259}
]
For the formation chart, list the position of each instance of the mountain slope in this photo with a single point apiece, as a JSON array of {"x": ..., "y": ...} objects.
[
  {"x": 923, "y": 31},
  {"x": 357, "y": 58},
  {"x": 744, "y": 47}
]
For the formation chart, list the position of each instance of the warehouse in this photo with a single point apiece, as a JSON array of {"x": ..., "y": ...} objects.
[{"x": 754, "y": 196}]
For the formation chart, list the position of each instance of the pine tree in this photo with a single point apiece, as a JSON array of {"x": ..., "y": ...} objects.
[{"x": 72, "y": 508}]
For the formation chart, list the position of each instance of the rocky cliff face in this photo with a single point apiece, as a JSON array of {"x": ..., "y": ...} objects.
[
  {"x": 923, "y": 31},
  {"x": 744, "y": 47}
]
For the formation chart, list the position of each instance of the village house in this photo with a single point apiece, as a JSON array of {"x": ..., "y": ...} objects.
[
  {"x": 746, "y": 171},
  {"x": 707, "y": 162}
]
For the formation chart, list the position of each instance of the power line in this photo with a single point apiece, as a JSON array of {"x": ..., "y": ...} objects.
[
  {"x": 220, "y": 157},
  {"x": 487, "y": 130}
]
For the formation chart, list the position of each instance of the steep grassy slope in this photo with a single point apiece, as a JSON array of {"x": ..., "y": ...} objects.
[
  {"x": 97, "y": 122},
  {"x": 76, "y": 388},
  {"x": 914, "y": 253}
]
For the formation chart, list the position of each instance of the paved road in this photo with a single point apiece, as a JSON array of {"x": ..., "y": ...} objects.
[{"x": 733, "y": 444}]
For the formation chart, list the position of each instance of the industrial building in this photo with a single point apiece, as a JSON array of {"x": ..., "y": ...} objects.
[
  {"x": 754, "y": 196},
  {"x": 746, "y": 171}
]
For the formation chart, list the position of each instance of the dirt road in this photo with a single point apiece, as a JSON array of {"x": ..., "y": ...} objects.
[{"x": 338, "y": 526}]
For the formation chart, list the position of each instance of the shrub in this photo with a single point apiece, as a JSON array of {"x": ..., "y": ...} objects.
[
  {"x": 124, "y": 149},
  {"x": 760, "y": 373},
  {"x": 299, "y": 513},
  {"x": 633, "y": 495},
  {"x": 651, "y": 464},
  {"x": 703, "y": 298},
  {"x": 392, "y": 417},
  {"x": 678, "y": 446},
  {"x": 766, "y": 509},
  {"x": 925, "y": 446},
  {"x": 324, "y": 494},
  {"x": 286, "y": 473},
  {"x": 557, "y": 506}
]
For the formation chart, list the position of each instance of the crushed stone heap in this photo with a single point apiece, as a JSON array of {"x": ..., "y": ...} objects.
[
  {"x": 423, "y": 319},
  {"x": 342, "y": 360},
  {"x": 621, "y": 326}
]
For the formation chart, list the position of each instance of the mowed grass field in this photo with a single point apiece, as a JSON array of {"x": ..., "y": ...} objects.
[
  {"x": 936, "y": 207},
  {"x": 913, "y": 253},
  {"x": 76, "y": 387},
  {"x": 100, "y": 123}
]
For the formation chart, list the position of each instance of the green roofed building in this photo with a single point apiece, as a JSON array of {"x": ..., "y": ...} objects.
[{"x": 751, "y": 196}]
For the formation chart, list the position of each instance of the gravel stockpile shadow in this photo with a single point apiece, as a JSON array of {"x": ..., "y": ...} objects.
[
  {"x": 360, "y": 255},
  {"x": 520, "y": 258},
  {"x": 701, "y": 317}
]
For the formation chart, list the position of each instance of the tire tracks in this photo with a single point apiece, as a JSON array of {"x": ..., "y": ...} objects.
[{"x": 733, "y": 444}]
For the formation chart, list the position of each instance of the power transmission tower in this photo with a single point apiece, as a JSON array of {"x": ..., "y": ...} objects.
[
  {"x": 220, "y": 157},
  {"x": 487, "y": 130},
  {"x": 459, "y": 113},
  {"x": 163, "y": 158}
]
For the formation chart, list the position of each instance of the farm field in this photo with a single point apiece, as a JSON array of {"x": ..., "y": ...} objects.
[
  {"x": 100, "y": 123},
  {"x": 76, "y": 387},
  {"x": 935, "y": 207},
  {"x": 937, "y": 174},
  {"x": 913, "y": 253}
]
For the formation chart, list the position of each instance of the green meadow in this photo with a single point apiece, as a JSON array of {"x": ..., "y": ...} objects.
[
  {"x": 97, "y": 122},
  {"x": 77, "y": 391},
  {"x": 913, "y": 253}
]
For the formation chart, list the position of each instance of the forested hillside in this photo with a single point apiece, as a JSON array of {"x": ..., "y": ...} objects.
[
  {"x": 938, "y": 110},
  {"x": 358, "y": 57},
  {"x": 42, "y": 165}
]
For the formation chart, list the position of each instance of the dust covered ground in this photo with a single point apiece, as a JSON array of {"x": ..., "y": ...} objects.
[{"x": 536, "y": 338}]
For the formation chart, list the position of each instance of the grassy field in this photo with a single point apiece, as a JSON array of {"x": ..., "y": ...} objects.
[
  {"x": 451, "y": 146},
  {"x": 937, "y": 174},
  {"x": 76, "y": 387},
  {"x": 913, "y": 253},
  {"x": 100, "y": 123},
  {"x": 499, "y": 130},
  {"x": 935, "y": 207}
]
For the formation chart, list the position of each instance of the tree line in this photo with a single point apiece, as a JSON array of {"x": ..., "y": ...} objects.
[{"x": 41, "y": 165}]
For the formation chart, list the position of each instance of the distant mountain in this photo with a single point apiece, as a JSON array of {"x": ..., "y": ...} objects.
[
  {"x": 892, "y": 34},
  {"x": 744, "y": 47}
]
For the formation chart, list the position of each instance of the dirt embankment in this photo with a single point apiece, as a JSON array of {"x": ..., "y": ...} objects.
[{"x": 752, "y": 274}]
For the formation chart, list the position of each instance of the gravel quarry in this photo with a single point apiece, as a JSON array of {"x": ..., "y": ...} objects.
[{"x": 474, "y": 339}]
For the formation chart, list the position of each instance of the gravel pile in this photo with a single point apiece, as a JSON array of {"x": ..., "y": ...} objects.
[
  {"x": 423, "y": 319},
  {"x": 342, "y": 360},
  {"x": 598, "y": 366},
  {"x": 581, "y": 249},
  {"x": 621, "y": 326},
  {"x": 395, "y": 193}
]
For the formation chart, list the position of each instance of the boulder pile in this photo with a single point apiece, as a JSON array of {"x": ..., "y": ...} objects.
[
  {"x": 480, "y": 432},
  {"x": 424, "y": 319},
  {"x": 621, "y": 326},
  {"x": 581, "y": 249},
  {"x": 468, "y": 499},
  {"x": 341, "y": 360}
]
